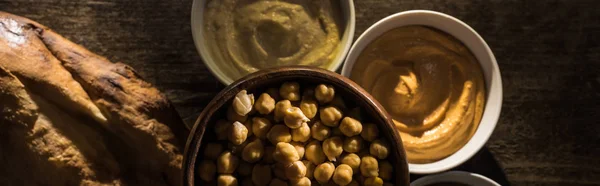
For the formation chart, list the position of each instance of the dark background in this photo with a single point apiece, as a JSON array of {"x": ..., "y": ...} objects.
[{"x": 548, "y": 52}]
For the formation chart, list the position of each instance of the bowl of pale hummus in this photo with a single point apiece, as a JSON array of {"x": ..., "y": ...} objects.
[
  {"x": 238, "y": 37},
  {"x": 439, "y": 81},
  {"x": 454, "y": 178}
]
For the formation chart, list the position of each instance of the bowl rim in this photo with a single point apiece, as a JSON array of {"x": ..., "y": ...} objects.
[
  {"x": 478, "y": 47},
  {"x": 194, "y": 140},
  {"x": 455, "y": 176},
  {"x": 197, "y": 21}
]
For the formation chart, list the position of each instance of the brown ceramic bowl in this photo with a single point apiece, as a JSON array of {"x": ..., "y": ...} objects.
[{"x": 259, "y": 81}]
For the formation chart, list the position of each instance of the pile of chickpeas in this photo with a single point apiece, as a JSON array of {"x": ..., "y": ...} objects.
[{"x": 289, "y": 138}]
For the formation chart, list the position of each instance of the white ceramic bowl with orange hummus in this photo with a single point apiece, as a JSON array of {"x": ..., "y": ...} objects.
[{"x": 476, "y": 64}]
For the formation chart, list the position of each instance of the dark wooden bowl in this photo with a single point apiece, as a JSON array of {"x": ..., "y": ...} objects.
[{"x": 274, "y": 77}]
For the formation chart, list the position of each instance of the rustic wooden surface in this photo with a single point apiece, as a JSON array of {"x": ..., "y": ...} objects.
[{"x": 548, "y": 52}]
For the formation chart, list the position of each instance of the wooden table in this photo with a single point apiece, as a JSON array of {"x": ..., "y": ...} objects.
[{"x": 548, "y": 52}]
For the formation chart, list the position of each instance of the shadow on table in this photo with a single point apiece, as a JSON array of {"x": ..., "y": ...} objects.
[{"x": 482, "y": 163}]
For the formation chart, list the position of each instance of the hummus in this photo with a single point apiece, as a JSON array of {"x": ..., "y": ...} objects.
[
  {"x": 431, "y": 85},
  {"x": 248, "y": 35}
]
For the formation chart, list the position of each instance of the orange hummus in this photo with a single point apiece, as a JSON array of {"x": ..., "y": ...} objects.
[{"x": 430, "y": 83}]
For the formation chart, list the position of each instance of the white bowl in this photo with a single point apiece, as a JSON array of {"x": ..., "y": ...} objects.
[
  {"x": 347, "y": 7},
  {"x": 455, "y": 177},
  {"x": 478, "y": 47}
]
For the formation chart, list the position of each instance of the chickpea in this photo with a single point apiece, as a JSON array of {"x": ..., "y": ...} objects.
[
  {"x": 309, "y": 107},
  {"x": 353, "y": 183},
  {"x": 279, "y": 133},
  {"x": 294, "y": 117},
  {"x": 314, "y": 152},
  {"x": 350, "y": 127},
  {"x": 268, "y": 156},
  {"x": 261, "y": 174},
  {"x": 245, "y": 168},
  {"x": 260, "y": 127},
  {"x": 373, "y": 181},
  {"x": 285, "y": 153},
  {"x": 227, "y": 163},
  {"x": 213, "y": 150},
  {"x": 295, "y": 171},
  {"x": 222, "y": 129},
  {"x": 310, "y": 168},
  {"x": 237, "y": 133},
  {"x": 333, "y": 132},
  {"x": 253, "y": 151},
  {"x": 343, "y": 174},
  {"x": 385, "y": 170},
  {"x": 319, "y": 131},
  {"x": 369, "y": 166},
  {"x": 243, "y": 102},
  {"x": 277, "y": 182},
  {"x": 265, "y": 104},
  {"x": 207, "y": 170},
  {"x": 280, "y": 109},
  {"x": 290, "y": 91},
  {"x": 323, "y": 172},
  {"x": 247, "y": 182},
  {"x": 332, "y": 147},
  {"x": 227, "y": 180},
  {"x": 301, "y": 134},
  {"x": 330, "y": 116},
  {"x": 301, "y": 182},
  {"x": 370, "y": 132},
  {"x": 279, "y": 170},
  {"x": 379, "y": 149},
  {"x": 233, "y": 116},
  {"x": 299, "y": 148},
  {"x": 352, "y": 160},
  {"x": 324, "y": 93},
  {"x": 353, "y": 144}
]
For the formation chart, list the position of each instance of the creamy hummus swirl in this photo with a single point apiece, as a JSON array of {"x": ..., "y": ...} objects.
[
  {"x": 431, "y": 85},
  {"x": 248, "y": 35}
]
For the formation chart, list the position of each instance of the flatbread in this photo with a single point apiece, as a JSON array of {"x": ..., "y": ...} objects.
[{"x": 71, "y": 117}]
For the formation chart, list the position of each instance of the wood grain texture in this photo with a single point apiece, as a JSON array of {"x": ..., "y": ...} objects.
[{"x": 548, "y": 52}]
